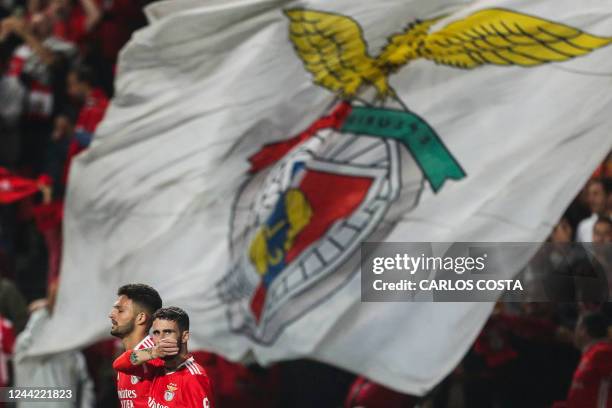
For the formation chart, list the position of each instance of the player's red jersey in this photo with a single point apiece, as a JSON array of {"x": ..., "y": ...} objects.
[
  {"x": 186, "y": 387},
  {"x": 133, "y": 391},
  {"x": 592, "y": 383}
]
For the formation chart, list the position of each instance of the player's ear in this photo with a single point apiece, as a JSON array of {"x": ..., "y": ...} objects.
[
  {"x": 185, "y": 337},
  {"x": 141, "y": 318}
]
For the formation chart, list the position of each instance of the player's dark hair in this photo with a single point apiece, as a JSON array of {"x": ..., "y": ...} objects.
[
  {"x": 595, "y": 324},
  {"x": 143, "y": 295},
  {"x": 174, "y": 314}
]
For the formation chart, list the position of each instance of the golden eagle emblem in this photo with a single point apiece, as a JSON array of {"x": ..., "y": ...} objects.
[{"x": 334, "y": 51}]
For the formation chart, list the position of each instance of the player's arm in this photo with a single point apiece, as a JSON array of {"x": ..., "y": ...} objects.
[
  {"x": 133, "y": 361},
  {"x": 197, "y": 392},
  {"x": 123, "y": 363}
]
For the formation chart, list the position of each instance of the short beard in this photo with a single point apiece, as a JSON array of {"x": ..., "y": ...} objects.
[{"x": 123, "y": 331}]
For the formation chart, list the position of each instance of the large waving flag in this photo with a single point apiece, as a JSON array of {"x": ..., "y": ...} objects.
[{"x": 253, "y": 145}]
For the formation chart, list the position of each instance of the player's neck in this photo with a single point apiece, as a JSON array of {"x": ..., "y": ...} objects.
[
  {"x": 172, "y": 365},
  {"x": 133, "y": 339}
]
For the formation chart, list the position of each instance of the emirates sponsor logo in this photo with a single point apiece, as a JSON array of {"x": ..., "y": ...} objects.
[{"x": 124, "y": 394}]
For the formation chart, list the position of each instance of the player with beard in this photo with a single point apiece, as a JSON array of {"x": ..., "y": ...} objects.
[
  {"x": 131, "y": 319},
  {"x": 180, "y": 382}
]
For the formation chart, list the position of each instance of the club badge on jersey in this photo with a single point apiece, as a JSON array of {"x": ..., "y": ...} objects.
[{"x": 169, "y": 394}]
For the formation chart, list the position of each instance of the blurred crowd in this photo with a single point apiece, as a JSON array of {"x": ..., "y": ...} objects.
[{"x": 57, "y": 63}]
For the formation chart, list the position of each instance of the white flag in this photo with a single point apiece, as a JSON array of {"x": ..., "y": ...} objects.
[{"x": 252, "y": 145}]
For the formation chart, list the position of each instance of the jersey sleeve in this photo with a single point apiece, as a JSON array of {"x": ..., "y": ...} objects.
[
  {"x": 197, "y": 392},
  {"x": 155, "y": 363},
  {"x": 147, "y": 343},
  {"x": 124, "y": 365}
]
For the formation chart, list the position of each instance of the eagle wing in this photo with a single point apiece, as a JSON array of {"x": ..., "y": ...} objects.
[
  {"x": 504, "y": 37},
  {"x": 334, "y": 51}
]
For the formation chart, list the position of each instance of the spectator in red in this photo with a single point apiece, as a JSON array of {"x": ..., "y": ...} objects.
[
  {"x": 7, "y": 343},
  {"x": 367, "y": 394},
  {"x": 74, "y": 20},
  {"x": 93, "y": 104},
  {"x": 512, "y": 350},
  {"x": 591, "y": 385},
  {"x": 36, "y": 64},
  {"x": 12, "y": 98}
]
